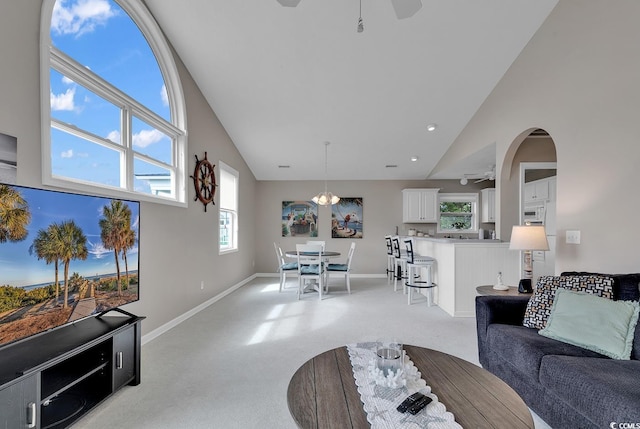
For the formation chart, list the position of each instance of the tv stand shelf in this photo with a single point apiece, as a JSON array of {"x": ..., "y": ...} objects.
[{"x": 50, "y": 380}]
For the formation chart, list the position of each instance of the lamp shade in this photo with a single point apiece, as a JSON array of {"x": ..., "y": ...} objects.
[
  {"x": 326, "y": 198},
  {"x": 528, "y": 237}
]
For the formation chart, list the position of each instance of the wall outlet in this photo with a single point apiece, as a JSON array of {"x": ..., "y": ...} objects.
[
  {"x": 202, "y": 285},
  {"x": 573, "y": 237}
]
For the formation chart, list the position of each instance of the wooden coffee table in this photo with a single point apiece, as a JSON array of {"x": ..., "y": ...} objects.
[{"x": 323, "y": 394}]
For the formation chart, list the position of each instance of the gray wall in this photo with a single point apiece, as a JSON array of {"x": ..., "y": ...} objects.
[
  {"x": 178, "y": 246},
  {"x": 578, "y": 80}
]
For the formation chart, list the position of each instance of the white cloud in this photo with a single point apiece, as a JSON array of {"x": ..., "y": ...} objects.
[
  {"x": 67, "y": 81},
  {"x": 164, "y": 96},
  {"x": 114, "y": 136},
  {"x": 63, "y": 101},
  {"x": 147, "y": 137},
  {"x": 80, "y": 17},
  {"x": 67, "y": 154}
]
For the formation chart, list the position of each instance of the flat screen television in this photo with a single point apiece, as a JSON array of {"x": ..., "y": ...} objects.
[{"x": 63, "y": 257}]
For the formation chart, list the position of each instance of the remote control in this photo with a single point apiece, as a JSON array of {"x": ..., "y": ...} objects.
[
  {"x": 409, "y": 401},
  {"x": 419, "y": 405}
]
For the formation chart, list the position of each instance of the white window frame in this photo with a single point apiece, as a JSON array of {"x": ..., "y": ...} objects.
[
  {"x": 234, "y": 239},
  {"x": 50, "y": 57},
  {"x": 460, "y": 197}
]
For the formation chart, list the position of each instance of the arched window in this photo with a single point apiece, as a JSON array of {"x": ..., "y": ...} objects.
[{"x": 113, "y": 109}]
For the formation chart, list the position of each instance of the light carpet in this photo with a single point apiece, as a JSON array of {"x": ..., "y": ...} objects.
[{"x": 229, "y": 365}]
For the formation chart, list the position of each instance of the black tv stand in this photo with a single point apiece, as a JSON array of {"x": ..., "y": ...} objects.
[{"x": 50, "y": 380}]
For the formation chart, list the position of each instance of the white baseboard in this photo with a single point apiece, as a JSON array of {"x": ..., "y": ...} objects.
[{"x": 175, "y": 322}]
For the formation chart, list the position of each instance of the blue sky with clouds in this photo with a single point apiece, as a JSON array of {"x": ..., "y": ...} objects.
[{"x": 102, "y": 37}]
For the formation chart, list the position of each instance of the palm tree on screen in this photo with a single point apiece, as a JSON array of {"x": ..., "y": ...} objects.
[
  {"x": 48, "y": 246},
  {"x": 14, "y": 215},
  {"x": 115, "y": 232},
  {"x": 73, "y": 245}
]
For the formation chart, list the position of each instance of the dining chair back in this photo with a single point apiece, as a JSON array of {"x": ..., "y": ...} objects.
[
  {"x": 318, "y": 243},
  {"x": 284, "y": 267},
  {"x": 310, "y": 267},
  {"x": 343, "y": 269}
]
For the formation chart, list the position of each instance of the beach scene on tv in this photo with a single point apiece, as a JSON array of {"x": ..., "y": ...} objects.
[{"x": 63, "y": 257}]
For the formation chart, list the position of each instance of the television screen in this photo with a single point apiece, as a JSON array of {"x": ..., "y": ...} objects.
[{"x": 63, "y": 257}]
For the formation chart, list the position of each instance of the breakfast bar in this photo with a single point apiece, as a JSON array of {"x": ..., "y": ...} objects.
[{"x": 462, "y": 265}]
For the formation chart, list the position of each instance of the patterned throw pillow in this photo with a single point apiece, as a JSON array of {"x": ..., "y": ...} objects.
[{"x": 539, "y": 306}]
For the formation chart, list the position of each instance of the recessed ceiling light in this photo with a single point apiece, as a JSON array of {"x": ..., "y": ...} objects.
[
  {"x": 414, "y": 158},
  {"x": 431, "y": 127}
]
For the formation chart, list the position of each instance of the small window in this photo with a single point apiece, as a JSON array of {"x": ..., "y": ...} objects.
[
  {"x": 458, "y": 213},
  {"x": 228, "y": 238}
]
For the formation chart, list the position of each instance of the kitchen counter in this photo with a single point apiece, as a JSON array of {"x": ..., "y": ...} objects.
[{"x": 462, "y": 265}]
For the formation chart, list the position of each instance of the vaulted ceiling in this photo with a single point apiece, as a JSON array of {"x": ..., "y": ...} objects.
[{"x": 284, "y": 80}]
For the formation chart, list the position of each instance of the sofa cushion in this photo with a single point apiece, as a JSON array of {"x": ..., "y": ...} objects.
[
  {"x": 604, "y": 390},
  {"x": 524, "y": 348},
  {"x": 626, "y": 287},
  {"x": 602, "y": 325},
  {"x": 539, "y": 306}
]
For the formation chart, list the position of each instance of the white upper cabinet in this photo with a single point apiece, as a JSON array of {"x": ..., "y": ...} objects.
[
  {"x": 537, "y": 190},
  {"x": 488, "y": 205},
  {"x": 420, "y": 205}
]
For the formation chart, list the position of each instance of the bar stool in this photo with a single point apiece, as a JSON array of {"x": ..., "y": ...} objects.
[
  {"x": 391, "y": 263},
  {"x": 415, "y": 263},
  {"x": 399, "y": 263}
]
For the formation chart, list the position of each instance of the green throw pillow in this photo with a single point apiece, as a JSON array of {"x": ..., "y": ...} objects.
[{"x": 598, "y": 324}]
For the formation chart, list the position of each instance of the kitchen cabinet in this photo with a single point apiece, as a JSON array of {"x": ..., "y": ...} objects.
[
  {"x": 538, "y": 190},
  {"x": 488, "y": 202},
  {"x": 420, "y": 205}
]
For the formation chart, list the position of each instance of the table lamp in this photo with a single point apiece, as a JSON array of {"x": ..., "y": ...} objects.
[{"x": 528, "y": 238}]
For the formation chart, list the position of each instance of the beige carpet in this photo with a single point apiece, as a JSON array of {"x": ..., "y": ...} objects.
[{"x": 229, "y": 366}]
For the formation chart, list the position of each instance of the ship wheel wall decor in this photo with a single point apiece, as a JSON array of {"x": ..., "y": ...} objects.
[{"x": 204, "y": 181}]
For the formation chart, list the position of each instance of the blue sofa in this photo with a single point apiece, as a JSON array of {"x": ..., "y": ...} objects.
[{"x": 566, "y": 385}]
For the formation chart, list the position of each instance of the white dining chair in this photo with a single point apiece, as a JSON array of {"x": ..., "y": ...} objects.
[
  {"x": 310, "y": 267},
  {"x": 284, "y": 267},
  {"x": 342, "y": 269},
  {"x": 318, "y": 243}
]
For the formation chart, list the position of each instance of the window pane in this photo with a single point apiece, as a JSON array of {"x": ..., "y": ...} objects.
[
  {"x": 151, "y": 142},
  {"x": 151, "y": 179},
  {"x": 76, "y": 105},
  {"x": 226, "y": 228},
  {"x": 455, "y": 222},
  {"x": 125, "y": 58},
  {"x": 228, "y": 190},
  {"x": 77, "y": 158}
]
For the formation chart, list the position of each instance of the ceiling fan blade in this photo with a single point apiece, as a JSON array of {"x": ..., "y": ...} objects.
[
  {"x": 289, "y": 3},
  {"x": 481, "y": 180},
  {"x": 405, "y": 8}
]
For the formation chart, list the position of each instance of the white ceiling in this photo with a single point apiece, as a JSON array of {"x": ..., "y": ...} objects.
[{"x": 284, "y": 80}]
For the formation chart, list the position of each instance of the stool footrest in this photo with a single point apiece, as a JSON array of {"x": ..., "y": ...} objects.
[{"x": 415, "y": 284}]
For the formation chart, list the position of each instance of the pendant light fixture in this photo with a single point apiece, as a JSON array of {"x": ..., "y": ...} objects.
[
  {"x": 325, "y": 198},
  {"x": 360, "y": 22}
]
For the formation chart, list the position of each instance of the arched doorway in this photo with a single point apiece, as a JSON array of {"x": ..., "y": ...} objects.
[{"x": 529, "y": 191}]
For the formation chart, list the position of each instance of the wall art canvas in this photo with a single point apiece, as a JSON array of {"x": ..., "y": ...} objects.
[
  {"x": 299, "y": 219},
  {"x": 346, "y": 218},
  {"x": 8, "y": 158}
]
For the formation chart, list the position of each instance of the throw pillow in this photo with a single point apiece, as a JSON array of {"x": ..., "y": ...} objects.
[
  {"x": 597, "y": 324},
  {"x": 539, "y": 305}
]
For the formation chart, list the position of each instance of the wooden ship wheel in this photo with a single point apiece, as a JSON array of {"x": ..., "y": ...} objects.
[{"x": 204, "y": 181}]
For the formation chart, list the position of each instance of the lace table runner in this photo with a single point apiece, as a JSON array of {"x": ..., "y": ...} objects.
[{"x": 380, "y": 402}]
